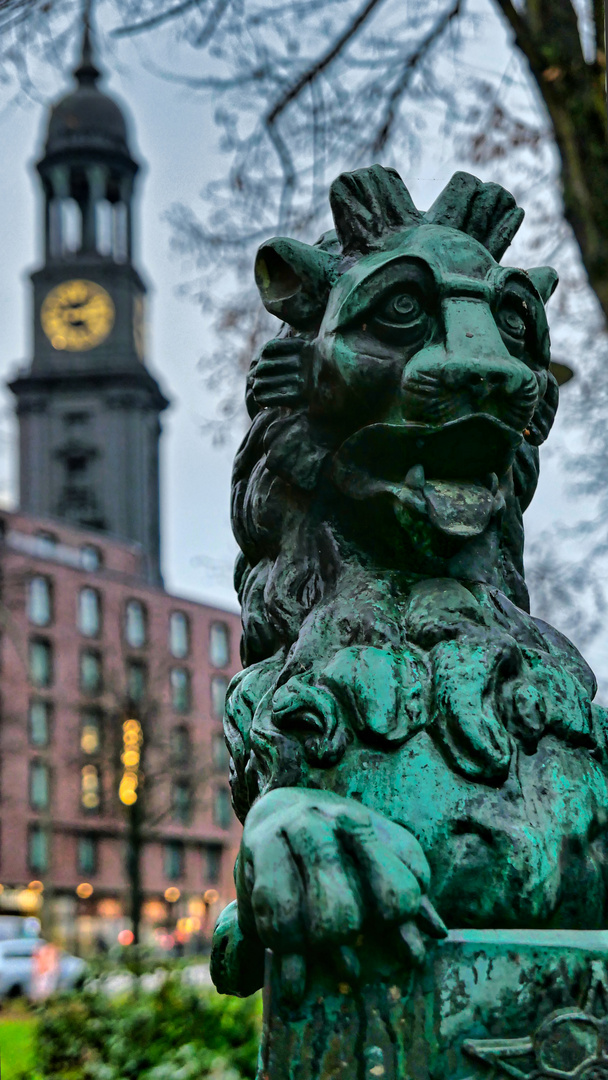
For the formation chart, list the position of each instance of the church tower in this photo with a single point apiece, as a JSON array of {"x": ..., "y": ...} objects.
[{"x": 88, "y": 407}]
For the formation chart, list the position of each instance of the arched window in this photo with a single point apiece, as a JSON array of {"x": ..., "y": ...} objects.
[
  {"x": 219, "y": 685},
  {"x": 89, "y": 612},
  {"x": 90, "y": 557},
  {"x": 222, "y": 810},
  {"x": 180, "y": 689},
  {"x": 179, "y": 635},
  {"x": 41, "y": 662},
  {"x": 120, "y": 241},
  {"x": 70, "y": 226},
  {"x": 221, "y": 757},
  {"x": 219, "y": 644},
  {"x": 39, "y": 785},
  {"x": 103, "y": 227},
  {"x": 39, "y": 601},
  {"x": 39, "y": 722},
  {"x": 135, "y": 624},
  {"x": 181, "y": 746},
  {"x": 181, "y": 801}
]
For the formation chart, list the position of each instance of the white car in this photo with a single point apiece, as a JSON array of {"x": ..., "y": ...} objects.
[{"x": 32, "y": 968}]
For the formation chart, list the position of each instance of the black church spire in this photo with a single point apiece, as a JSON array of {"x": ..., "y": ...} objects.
[{"x": 88, "y": 407}]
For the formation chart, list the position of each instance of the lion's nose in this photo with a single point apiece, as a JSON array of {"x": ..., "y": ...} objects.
[{"x": 481, "y": 379}]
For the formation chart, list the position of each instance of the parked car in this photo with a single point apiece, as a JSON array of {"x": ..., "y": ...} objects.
[{"x": 32, "y": 968}]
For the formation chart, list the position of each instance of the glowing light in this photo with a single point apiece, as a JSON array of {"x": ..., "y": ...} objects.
[
  {"x": 154, "y": 910},
  {"x": 35, "y": 886},
  {"x": 28, "y": 900},
  {"x": 132, "y": 739},
  {"x": 84, "y": 890},
  {"x": 211, "y": 896},
  {"x": 196, "y": 907},
  {"x": 109, "y": 909},
  {"x": 126, "y": 937},
  {"x": 172, "y": 894}
]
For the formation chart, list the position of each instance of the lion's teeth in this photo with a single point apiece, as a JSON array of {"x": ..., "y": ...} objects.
[{"x": 415, "y": 477}]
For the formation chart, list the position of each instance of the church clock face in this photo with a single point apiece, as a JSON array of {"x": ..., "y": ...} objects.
[{"x": 77, "y": 315}]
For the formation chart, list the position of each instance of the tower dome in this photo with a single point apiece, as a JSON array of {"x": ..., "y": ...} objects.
[{"x": 87, "y": 120}]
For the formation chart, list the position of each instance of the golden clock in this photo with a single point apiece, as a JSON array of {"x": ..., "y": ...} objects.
[{"x": 77, "y": 315}]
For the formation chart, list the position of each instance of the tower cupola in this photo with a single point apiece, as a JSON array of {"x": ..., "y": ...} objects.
[{"x": 87, "y": 170}]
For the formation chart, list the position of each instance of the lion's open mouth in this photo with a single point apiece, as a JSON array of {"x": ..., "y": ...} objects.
[{"x": 448, "y": 474}]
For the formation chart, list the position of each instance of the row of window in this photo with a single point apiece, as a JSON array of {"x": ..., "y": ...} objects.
[
  {"x": 91, "y": 681},
  {"x": 87, "y": 857},
  {"x": 91, "y": 733},
  {"x": 182, "y": 796},
  {"x": 89, "y": 615}
]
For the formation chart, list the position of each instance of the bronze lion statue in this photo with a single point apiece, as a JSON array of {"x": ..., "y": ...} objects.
[{"x": 410, "y": 747}]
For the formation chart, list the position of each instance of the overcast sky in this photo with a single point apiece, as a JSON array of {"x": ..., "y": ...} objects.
[{"x": 173, "y": 132}]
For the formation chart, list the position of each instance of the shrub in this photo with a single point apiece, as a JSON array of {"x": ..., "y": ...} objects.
[{"x": 176, "y": 1032}]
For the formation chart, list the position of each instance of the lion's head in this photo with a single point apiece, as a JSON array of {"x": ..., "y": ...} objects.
[{"x": 397, "y": 414}]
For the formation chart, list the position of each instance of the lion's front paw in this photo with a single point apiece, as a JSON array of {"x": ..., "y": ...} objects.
[
  {"x": 276, "y": 376},
  {"x": 316, "y": 870},
  {"x": 237, "y": 959}
]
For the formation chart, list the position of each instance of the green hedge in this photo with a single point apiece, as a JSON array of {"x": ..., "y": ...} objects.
[{"x": 176, "y": 1032}]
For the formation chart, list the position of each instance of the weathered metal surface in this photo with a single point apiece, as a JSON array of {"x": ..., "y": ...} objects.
[
  {"x": 409, "y": 744},
  {"x": 487, "y": 1004}
]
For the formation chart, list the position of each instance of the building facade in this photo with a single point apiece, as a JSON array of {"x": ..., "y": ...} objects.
[{"x": 112, "y": 688}]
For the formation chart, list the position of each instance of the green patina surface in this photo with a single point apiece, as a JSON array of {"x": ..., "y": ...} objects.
[{"x": 410, "y": 746}]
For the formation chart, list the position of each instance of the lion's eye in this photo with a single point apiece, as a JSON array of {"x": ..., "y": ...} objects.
[
  {"x": 510, "y": 320},
  {"x": 401, "y": 309}
]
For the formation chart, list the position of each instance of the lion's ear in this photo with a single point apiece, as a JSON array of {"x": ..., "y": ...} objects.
[
  {"x": 294, "y": 281},
  {"x": 544, "y": 279}
]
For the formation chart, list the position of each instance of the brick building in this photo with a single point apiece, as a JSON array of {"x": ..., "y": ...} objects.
[{"x": 112, "y": 689}]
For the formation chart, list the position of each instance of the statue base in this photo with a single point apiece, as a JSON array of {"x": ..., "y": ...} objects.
[{"x": 486, "y": 1005}]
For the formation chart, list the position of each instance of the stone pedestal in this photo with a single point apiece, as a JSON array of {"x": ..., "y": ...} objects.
[{"x": 486, "y": 1005}]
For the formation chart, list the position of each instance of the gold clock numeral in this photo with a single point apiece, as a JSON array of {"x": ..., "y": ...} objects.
[{"x": 77, "y": 315}]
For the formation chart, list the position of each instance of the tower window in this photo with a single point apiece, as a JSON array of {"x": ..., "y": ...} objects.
[
  {"x": 90, "y": 672},
  {"x": 65, "y": 227},
  {"x": 89, "y": 612},
  {"x": 219, "y": 644},
  {"x": 103, "y": 226},
  {"x": 40, "y": 662},
  {"x": 39, "y": 785},
  {"x": 135, "y": 624},
  {"x": 179, "y": 637},
  {"x": 39, "y": 601},
  {"x": 120, "y": 240},
  {"x": 39, "y": 722}
]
